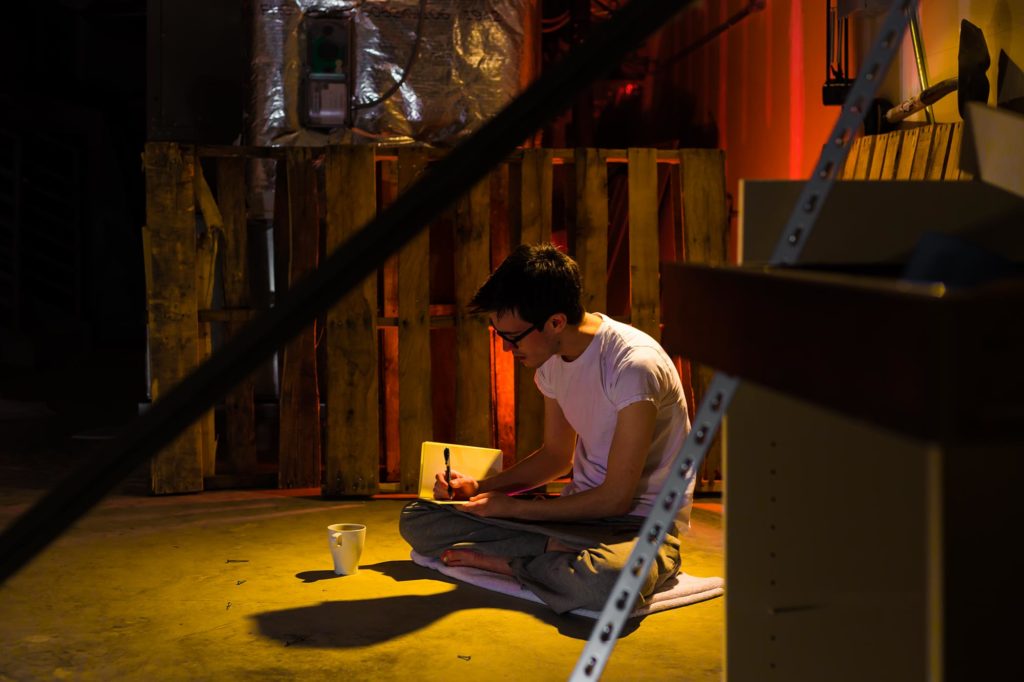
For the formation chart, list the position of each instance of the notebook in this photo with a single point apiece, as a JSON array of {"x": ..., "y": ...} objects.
[{"x": 466, "y": 459}]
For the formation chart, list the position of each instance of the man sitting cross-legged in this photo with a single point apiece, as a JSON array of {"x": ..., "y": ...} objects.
[{"x": 614, "y": 414}]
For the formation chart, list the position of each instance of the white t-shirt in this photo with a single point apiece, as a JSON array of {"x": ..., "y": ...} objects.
[{"x": 621, "y": 366}]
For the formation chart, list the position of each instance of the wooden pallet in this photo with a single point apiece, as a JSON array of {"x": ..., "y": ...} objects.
[{"x": 380, "y": 358}]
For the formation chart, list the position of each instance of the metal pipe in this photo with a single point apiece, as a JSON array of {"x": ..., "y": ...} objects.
[{"x": 922, "y": 67}]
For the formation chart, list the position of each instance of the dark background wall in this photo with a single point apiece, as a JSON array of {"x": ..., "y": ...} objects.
[
  {"x": 75, "y": 113},
  {"x": 198, "y": 69}
]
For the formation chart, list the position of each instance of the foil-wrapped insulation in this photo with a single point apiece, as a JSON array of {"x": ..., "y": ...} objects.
[
  {"x": 278, "y": 50},
  {"x": 466, "y": 69},
  {"x": 278, "y": 46}
]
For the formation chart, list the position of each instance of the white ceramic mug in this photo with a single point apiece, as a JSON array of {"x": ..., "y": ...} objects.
[{"x": 346, "y": 543}]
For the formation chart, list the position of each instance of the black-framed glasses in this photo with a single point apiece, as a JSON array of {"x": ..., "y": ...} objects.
[{"x": 514, "y": 339}]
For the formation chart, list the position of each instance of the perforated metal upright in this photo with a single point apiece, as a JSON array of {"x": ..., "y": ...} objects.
[{"x": 720, "y": 393}]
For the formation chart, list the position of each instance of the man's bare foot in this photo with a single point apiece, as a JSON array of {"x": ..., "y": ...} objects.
[{"x": 467, "y": 557}]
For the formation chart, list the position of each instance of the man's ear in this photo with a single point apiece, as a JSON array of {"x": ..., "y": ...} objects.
[{"x": 558, "y": 322}]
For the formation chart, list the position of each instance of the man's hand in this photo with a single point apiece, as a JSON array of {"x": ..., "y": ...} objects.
[
  {"x": 463, "y": 487},
  {"x": 494, "y": 504}
]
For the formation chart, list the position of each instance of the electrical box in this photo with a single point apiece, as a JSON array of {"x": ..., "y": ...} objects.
[{"x": 327, "y": 72}]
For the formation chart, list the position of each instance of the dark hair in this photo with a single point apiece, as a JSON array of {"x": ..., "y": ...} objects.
[{"x": 535, "y": 281}]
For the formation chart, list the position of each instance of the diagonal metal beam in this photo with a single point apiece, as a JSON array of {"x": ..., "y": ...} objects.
[{"x": 362, "y": 254}]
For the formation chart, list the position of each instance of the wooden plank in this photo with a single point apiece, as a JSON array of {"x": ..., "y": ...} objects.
[
  {"x": 387, "y": 177},
  {"x": 996, "y": 147},
  {"x": 878, "y": 158},
  {"x": 537, "y": 176},
  {"x": 618, "y": 261},
  {"x": 353, "y": 444},
  {"x": 922, "y": 153},
  {"x": 239, "y": 409},
  {"x": 387, "y": 172},
  {"x": 282, "y": 233},
  {"x": 387, "y": 354},
  {"x": 670, "y": 219},
  {"x": 235, "y": 254},
  {"x": 299, "y": 435},
  {"x": 240, "y": 481},
  {"x": 558, "y": 156},
  {"x": 910, "y": 209},
  {"x": 892, "y": 151},
  {"x": 852, "y": 159},
  {"x": 232, "y": 315},
  {"x": 390, "y": 153},
  {"x": 645, "y": 312},
  {"x": 535, "y": 220},
  {"x": 592, "y": 228},
  {"x": 952, "y": 171},
  {"x": 503, "y": 397},
  {"x": 500, "y": 214},
  {"x": 940, "y": 151},
  {"x": 706, "y": 235},
  {"x": 441, "y": 316},
  {"x": 705, "y": 217},
  {"x": 867, "y": 147},
  {"x": 912, "y": 337},
  {"x": 415, "y": 405},
  {"x": 147, "y": 260},
  {"x": 206, "y": 264},
  {"x": 171, "y": 302},
  {"x": 472, "y": 334},
  {"x": 207, "y": 204},
  {"x": 908, "y": 150},
  {"x": 515, "y": 206},
  {"x": 503, "y": 364}
]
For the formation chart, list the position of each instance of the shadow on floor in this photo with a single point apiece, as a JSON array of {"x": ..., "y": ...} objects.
[{"x": 362, "y": 622}]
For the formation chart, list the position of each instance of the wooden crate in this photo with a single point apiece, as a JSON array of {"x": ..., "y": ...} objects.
[{"x": 383, "y": 359}]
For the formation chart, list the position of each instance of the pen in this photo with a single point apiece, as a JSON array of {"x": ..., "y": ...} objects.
[{"x": 448, "y": 471}]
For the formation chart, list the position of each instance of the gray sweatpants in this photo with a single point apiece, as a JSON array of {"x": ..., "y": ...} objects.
[{"x": 564, "y": 580}]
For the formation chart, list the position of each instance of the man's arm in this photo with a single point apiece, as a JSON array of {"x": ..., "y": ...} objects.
[
  {"x": 634, "y": 429},
  {"x": 549, "y": 461}
]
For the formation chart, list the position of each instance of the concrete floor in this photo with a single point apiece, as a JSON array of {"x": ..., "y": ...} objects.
[{"x": 238, "y": 585}]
